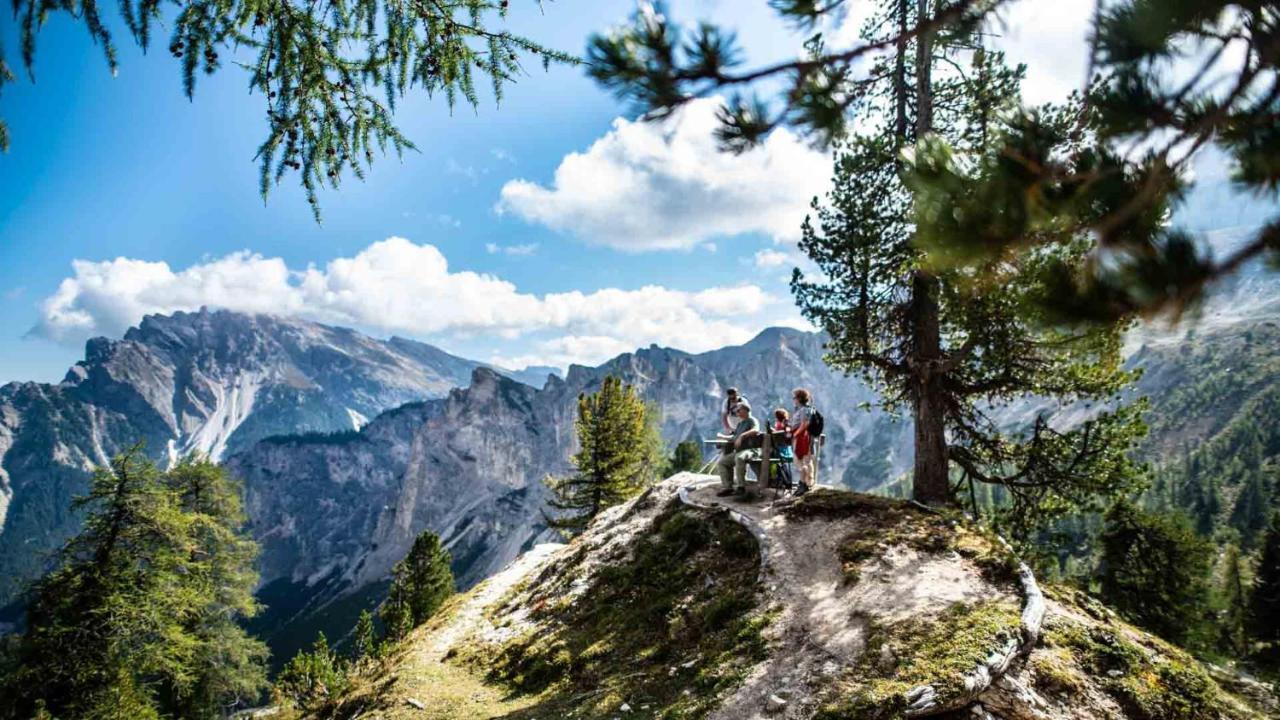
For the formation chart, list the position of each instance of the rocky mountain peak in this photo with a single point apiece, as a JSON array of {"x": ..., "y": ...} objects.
[{"x": 211, "y": 381}]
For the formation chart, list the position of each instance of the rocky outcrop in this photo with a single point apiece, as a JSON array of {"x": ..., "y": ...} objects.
[
  {"x": 666, "y": 607},
  {"x": 468, "y": 467},
  {"x": 211, "y": 382}
]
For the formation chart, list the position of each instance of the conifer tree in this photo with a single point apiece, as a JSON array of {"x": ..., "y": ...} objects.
[
  {"x": 1265, "y": 603},
  {"x": 616, "y": 459},
  {"x": 951, "y": 345},
  {"x": 141, "y": 617},
  {"x": 311, "y": 677},
  {"x": 1150, "y": 121},
  {"x": 115, "y": 615},
  {"x": 1249, "y": 515},
  {"x": 329, "y": 75},
  {"x": 1233, "y": 619},
  {"x": 687, "y": 457},
  {"x": 1155, "y": 570},
  {"x": 228, "y": 666},
  {"x": 365, "y": 642},
  {"x": 420, "y": 583}
]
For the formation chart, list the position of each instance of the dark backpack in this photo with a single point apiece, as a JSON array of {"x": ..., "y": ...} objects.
[{"x": 815, "y": 424}]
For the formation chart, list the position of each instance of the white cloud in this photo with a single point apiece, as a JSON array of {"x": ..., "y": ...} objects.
[
  {"x": 1052, "y": 39},
  {"x": 396, "y": 286},
  {"x": 771, "y": 259},
  {"x": 524, "y": 250},
  {"x": 666, "y": 186}
]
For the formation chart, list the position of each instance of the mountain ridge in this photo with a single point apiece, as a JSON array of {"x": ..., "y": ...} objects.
[{"x": 173, "y": 376}]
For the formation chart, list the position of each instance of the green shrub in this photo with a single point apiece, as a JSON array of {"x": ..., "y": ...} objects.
[{"x": 312, "y": 678}]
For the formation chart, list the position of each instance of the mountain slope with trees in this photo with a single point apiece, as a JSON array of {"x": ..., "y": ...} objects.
[{"x": 664, "y": 609}]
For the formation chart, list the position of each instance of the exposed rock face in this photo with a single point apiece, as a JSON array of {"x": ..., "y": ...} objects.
[
  {"x": 468, "y": 467},
  {"x": 213, "y": 382}
]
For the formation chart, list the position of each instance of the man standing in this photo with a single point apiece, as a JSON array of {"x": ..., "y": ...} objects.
[
  {"x": 733, "y": 463},
  {"x": 729, "y": 414}
]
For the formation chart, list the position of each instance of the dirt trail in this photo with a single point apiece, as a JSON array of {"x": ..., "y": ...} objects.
[
  {"x": 470, "y": 620},
  {"x": 823, "y": 621}
]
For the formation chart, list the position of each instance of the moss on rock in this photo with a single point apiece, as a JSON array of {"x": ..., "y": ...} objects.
[
  {"x": 667, "y": 629},
  {"x": 1152, "y": 681},
  {"x": 905, "y": 655}
]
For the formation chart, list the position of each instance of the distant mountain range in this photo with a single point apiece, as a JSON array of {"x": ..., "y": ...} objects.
[
  {"x": 212, "y": 382},
  {"x": 350, "y": 446}
]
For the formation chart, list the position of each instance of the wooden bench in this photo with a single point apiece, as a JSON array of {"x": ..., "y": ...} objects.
[{"x": 768, "y": 441}]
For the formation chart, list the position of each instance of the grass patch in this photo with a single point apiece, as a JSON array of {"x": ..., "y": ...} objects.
[
  {"x": 1148, "y": 684},
  {"x": 917, "y": 652},
  {"x": 833, "y": 504},
  {"x": 887, "y": 522},
  {"x": 666, "y": 631},
  {"x": 447, "y": 692}
]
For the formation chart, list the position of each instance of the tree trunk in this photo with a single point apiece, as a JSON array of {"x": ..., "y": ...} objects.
[
  {"x": 924, "y": 74},
  {"x": 930, "y": 483},
  {"x": 900, "y": 75}
]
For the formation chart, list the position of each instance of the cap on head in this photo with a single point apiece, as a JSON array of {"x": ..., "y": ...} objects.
[{"x": 742, "y": 406}]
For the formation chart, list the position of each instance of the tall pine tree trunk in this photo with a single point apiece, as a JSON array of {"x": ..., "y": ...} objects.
[
  {"x": 929, "y": 480},
  {"x": 900, "y": 74}
]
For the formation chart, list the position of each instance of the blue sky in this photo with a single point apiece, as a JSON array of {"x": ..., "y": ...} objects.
[{"x": 544, "y": 230}]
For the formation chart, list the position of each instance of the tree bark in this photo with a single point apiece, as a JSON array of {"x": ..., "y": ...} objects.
[
  {"x": 924, "y": 74},
  {"x": 900, "y": 74},
  {"x": 930, "y": 483}
]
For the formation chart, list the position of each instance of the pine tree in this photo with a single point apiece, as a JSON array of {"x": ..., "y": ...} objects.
[
  {"x": 1265, "y": 603},
  {"x": 1249, "y": 515},
  {"x": 687, "y": 457},
  {"x": 1232, "y": 623},
  {"x": 329, "y": 77},
  {"x": 952, "y": 345},
  {"x": 312, "y": 677},
  {"x": 420, "y": 583},
  {"x": 1155, "y": 570},
  {"x": 1208, "y": 505},
  {"x": 616, "y": 458},
  {"x": 1094, "y": 185},
  {"x": 228, "y": 667},
  {"x": 114, "y": 616},
  {"x": 365, "y": 643}
]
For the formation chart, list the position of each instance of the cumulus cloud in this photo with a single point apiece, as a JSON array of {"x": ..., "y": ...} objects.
[
  {"x": 397, "y": 286},
  {"x": 666, "y": 186}
]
